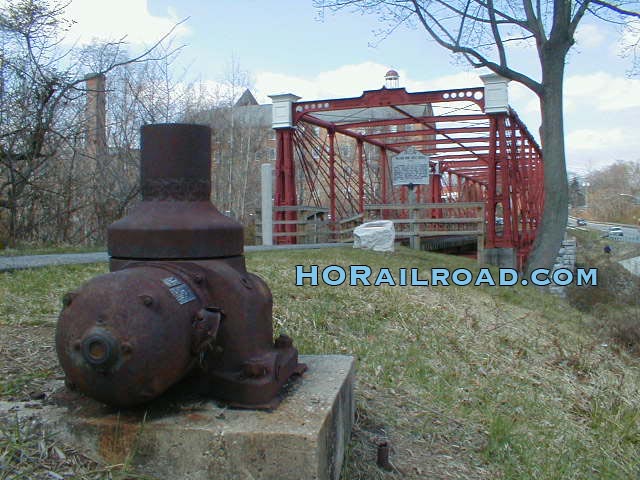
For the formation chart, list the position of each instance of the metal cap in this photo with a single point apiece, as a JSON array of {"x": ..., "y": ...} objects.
[{"x": 175, "y": 162}]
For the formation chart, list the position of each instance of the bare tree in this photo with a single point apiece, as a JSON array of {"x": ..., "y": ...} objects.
[
  {"x": 614, "y": 193},
  {"x": 481, "y": 31},
  {"x": 41, "y": 96}
]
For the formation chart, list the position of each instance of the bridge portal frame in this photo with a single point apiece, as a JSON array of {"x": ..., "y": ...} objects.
[{"x": 487, "y": 150}]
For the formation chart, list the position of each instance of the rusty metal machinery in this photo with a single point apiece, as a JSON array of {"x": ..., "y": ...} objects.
[{"x": 178, "y": 303}]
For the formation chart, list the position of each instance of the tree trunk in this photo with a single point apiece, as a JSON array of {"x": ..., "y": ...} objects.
[{"x": 554, "y": 220}]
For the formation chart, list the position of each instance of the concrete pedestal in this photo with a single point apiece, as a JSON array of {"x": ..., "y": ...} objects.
[
  {"x": 500, "y": 257},
  {"x": 304, "y": 438}
]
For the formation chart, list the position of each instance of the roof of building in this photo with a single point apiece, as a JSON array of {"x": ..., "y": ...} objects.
[{"x": 246, "y": 99}]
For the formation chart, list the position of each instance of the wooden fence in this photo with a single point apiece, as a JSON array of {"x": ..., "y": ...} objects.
[{"x": 412, "y": 222}]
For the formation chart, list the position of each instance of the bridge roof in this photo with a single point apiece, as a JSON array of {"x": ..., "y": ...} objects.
[{"x": 448, "y": 125}]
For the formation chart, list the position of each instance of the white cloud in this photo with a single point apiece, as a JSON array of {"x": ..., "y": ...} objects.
[
  {"x": 457, "y": 80},
  {"x": 351, "y": 81},
  {"x": 601, "y": 139},
  {"x": 589, "y": 36},
  {"x": 345, "y": 81},
  {"x": 115, "y": 19},
  {"x": 601, "y": 91},
  {"x": 589, "y": 149}
]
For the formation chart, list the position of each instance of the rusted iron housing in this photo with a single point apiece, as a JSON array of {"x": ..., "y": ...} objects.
[{"x": 178, "y": 302}]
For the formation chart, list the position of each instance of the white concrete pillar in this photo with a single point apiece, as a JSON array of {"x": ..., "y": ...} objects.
[
  {"x": 496, "y": 93},
  {"x": 267, "y": 204},
  {"x": 282, "y": 109}
]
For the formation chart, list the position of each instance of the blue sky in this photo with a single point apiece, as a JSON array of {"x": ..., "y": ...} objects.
[{"x": 287, "y": 48}]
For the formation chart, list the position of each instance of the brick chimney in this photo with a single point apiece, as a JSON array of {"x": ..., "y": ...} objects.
[{"x": 96, "y": 116}]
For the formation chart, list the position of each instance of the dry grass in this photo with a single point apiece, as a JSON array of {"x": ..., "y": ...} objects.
[
  {"x": 614, "y": 303},
  {"x": 464, "y": 382},
  {"x": 29, "y": 452}
]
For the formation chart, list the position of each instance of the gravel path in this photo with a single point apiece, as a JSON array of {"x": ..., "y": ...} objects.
[{"x": 35, "y": 261}]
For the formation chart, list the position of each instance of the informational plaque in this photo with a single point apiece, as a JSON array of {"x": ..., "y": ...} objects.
[{"x": 410, "y": 168}]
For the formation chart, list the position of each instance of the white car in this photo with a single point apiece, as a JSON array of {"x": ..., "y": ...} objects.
[{"x": 615, "y": 232}]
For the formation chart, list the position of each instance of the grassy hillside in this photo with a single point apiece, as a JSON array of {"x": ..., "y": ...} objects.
[{"x": 464, "y": 382}]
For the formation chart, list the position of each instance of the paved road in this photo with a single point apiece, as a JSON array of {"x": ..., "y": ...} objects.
[
  {"x": 630, "y": 233},
  {"x": 34, "y": 261}
]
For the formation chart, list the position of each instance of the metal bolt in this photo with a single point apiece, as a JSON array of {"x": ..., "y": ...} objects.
[
  {"x": 198, "y": 278},
  {"x": 68, "y": 298},
  {"x": 147, "y": 300},
  {"x": 383, "y": 456}
]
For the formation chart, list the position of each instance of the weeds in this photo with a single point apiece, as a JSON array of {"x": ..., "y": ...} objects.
[
  {"x": 463, "y": 382},
  {"x": 614, "y": 303}
]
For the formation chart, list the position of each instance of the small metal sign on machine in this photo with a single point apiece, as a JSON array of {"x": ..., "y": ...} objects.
[{"x": 410, "y": 168}]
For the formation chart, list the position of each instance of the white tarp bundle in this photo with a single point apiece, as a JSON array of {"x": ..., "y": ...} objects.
[{"x": 377, "y": 236}]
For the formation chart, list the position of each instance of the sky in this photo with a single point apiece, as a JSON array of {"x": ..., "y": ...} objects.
[{"x": 288, "y": 46}]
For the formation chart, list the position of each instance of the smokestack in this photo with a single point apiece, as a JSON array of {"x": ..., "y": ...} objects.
[{"x": 96, "y": 116}]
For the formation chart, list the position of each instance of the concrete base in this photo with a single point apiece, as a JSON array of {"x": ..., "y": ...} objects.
[
  {"x": 500, "y": 257},
  {"x": 192, "y": 439}
]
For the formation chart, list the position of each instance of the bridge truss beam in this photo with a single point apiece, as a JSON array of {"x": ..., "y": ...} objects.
[{"x": 338, "y": 153}]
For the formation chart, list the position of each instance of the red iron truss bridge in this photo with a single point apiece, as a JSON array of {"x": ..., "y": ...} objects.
[{"x": 335, "y": 156}]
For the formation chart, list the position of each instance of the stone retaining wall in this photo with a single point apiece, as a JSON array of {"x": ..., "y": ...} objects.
[{"x": 566, "y": 259}]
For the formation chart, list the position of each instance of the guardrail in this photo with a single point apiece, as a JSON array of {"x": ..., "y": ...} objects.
[{"x": 624, "y": 238}]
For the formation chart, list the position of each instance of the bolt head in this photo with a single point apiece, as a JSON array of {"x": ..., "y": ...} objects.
[
  {"x": 147, "y": 300},
  {"x": 68, "y": 298}
]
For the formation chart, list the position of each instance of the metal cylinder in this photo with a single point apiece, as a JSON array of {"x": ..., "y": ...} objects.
[
  {"x": 175, "y": 162},
  {"x": 125, "y": 337}
]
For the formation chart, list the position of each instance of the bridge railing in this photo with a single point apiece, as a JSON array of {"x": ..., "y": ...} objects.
[
  {"x": 430, "y": 220},
  {"x": 412, "y": 222}
]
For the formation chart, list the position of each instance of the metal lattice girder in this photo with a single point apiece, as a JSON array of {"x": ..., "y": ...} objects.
[{"x": 344, "y": 148}]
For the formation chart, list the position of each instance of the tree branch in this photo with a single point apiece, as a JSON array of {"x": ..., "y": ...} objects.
[
  {"x": 575, "y": 21},
  {"x": 496, "y": 34},
  {"x": 477, "y": 59},
  {"x": 535, "y": 22},
  {"x": 616, "y": 8}
]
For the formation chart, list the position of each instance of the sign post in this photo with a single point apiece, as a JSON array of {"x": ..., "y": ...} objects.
[{"x": 411, "y": 168}]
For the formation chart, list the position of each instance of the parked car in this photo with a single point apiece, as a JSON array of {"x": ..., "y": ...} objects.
[
  {"x": 615, "y": 232},
  {"x": 499, "y": 221},
  {"x": 581, "y": 222}
]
